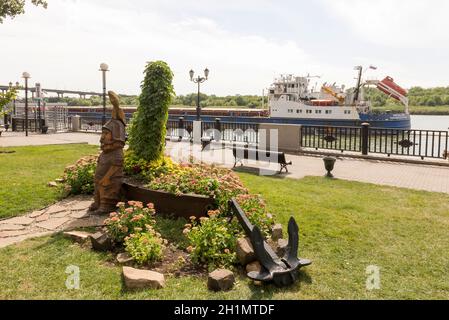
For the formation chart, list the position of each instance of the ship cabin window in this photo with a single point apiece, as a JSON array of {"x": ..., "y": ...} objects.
[
  {"x": 318, "y": 111},
  {"x": 309, "y": 111},
  {"x": 347, "y": 111},
  {"x": 299, "y": 111},
  {"x": 328, "y": 111}
]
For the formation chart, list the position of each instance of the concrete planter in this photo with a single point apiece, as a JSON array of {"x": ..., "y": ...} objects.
[{"x": 166, "y": 203}]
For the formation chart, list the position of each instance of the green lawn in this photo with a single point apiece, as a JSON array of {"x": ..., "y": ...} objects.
[
  {"x": 24, "y": 175},
  {"x": 345, "y": 227}
]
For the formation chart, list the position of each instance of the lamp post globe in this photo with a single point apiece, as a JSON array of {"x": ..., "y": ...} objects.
[
  {"x": 192, "y": 74},
  {"x": 104, "y": 68},
  {"x": 206, "y": 73}
]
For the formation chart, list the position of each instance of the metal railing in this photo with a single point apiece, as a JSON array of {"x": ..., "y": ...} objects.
[
  {"x": 332, "y": 138},
  {"x": 232, "y": 131},
  {"x": 91, "y": 124},
  {"x": 416, "y": 143}
]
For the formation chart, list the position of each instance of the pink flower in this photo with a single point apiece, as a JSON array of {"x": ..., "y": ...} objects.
[{"x": 129, "y": 210}]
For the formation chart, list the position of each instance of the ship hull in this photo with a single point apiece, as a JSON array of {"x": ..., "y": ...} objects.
[
  {"x": 387, "y": 121},
  {"x": 401, "y": 122}
]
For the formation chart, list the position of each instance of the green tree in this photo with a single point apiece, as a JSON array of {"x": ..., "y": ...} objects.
[
  {"x": 5, "y": 99},
  {"x": 12, "y": 8},
  {"x": 148, "y": 126}
]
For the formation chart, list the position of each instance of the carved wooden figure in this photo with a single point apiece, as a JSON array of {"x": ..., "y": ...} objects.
[{"x": 109, "y": 173}]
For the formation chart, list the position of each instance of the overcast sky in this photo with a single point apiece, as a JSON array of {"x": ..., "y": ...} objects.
[{"x": 245, "y": 43}]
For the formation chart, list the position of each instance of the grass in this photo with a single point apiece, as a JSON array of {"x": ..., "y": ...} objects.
[
  {"x": 344, "y": 228},
  {"x": 24, "y": 175}
]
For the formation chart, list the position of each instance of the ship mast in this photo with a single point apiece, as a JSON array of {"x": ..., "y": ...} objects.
[{"x": 359, "y": 84}]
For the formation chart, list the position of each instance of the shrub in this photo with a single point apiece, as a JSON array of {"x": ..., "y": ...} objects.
[
  {"x": 256, "y": 211},
  {"x": 147, "y": 170},
  {"x": 148, "y": 126},
  {"x": 145, "y": 247},
  {"x": 129, "y": 220},
  {"x": 79, "y": 178},
  {"x": 202, "y": 179},
  {"x": 213, "y": 240}
]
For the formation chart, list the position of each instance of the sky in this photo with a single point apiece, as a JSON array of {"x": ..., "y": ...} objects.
[{"x": 244, "y": 43}]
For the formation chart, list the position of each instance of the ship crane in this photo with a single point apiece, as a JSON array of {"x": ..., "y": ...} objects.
[
  {"x": 390, "y": 88},
  {"x": 341, "y": 98}
]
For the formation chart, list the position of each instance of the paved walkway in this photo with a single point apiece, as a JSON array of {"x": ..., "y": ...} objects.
[
  {"x": 18, "y": 139},
  {"x": 71, "y": 213},
  {"x": 412, "y": 176}
]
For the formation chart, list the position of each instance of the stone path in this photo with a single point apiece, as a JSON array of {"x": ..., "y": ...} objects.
[
  {"x": 69, "y": 214},
  {"x": 18, "y": 139}
]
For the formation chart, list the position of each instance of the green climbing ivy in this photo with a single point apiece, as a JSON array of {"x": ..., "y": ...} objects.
[{"x": 148, "y": 126}]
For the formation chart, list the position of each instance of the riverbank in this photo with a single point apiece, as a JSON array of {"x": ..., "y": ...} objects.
[{"x": 417, "y": 110}]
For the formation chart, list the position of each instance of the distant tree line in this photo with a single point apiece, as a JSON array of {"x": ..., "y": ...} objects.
[
  {"x": 418, "y": 96},
  {"x": 183, "y": 100}
]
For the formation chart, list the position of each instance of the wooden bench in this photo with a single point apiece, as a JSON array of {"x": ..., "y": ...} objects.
[{"x": 260, "y": 155}]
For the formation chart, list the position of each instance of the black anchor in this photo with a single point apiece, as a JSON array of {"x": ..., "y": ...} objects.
[{"x": 283, "y": 271}]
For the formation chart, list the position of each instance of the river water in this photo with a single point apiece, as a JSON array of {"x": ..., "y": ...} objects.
[{"x": 430, "y": 123}]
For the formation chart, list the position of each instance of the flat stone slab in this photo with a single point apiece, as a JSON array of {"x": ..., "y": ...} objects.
[
  {"x": 142, "y": 279},
  {"x": 8, "y": 234},
  {"x": 79, "y": 206},
  {"x": 11, "y": 227},
  {"x": 56, "y": 209},
  {"x": 61, "y": 214},
  {"x": 36, "y": 214},
  {"x": 78, "y": 236},
  {"x": 91, "y": 221},
  {"x": 43, "y": 217},
  {"x": 80, "y": 214},
  {"x": 24, "y": 221},
  {"x": 53, "y": 223}
]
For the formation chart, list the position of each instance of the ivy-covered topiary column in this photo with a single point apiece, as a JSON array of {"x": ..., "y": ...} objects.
[{"x": 148, "y": 127}]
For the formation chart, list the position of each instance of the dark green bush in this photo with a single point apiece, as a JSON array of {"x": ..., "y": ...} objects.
[{"x": 148, "y": 126}]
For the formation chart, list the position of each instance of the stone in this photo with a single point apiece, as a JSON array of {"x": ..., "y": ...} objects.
[
  {"x": 11, "y": 227},
  {"x": 80, "y": 205},
  {"x": 77, "y": 236},
  {"x": 36, "y": 214},
  {"x": 124, "y": 258},
  {"x": 281, "y": 247},
  {"x": 24, "y": 221},
  {"x": 254, "y": 267},
  {"x": 101, "y": 241},
  {"x": 142, "y": 279},
  {"x": 245, "y": 251},
  {"x": 60, "y": 180},
  {"x": 52, "y": 223},
  {"x": 277, "y": 232},
  {"x": 44, "y": 217},
  {"x": 7, "y": 234},
  {"x": 56, "y": 209},
  {"x": 53, "y": 184},
  {"x": 221, "y": 280},
  {"x": 80, "y": 214},
  {"x": 61, "y": 214},
  {"x": 91, "y": 221}
]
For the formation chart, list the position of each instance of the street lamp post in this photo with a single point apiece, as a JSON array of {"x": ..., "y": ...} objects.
[
  {"x": 199, "y": 80},
  {"x": 26, "y": 76},
  {"x": 104, "y": 68},
  {"x": 14, "y": 101}
]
